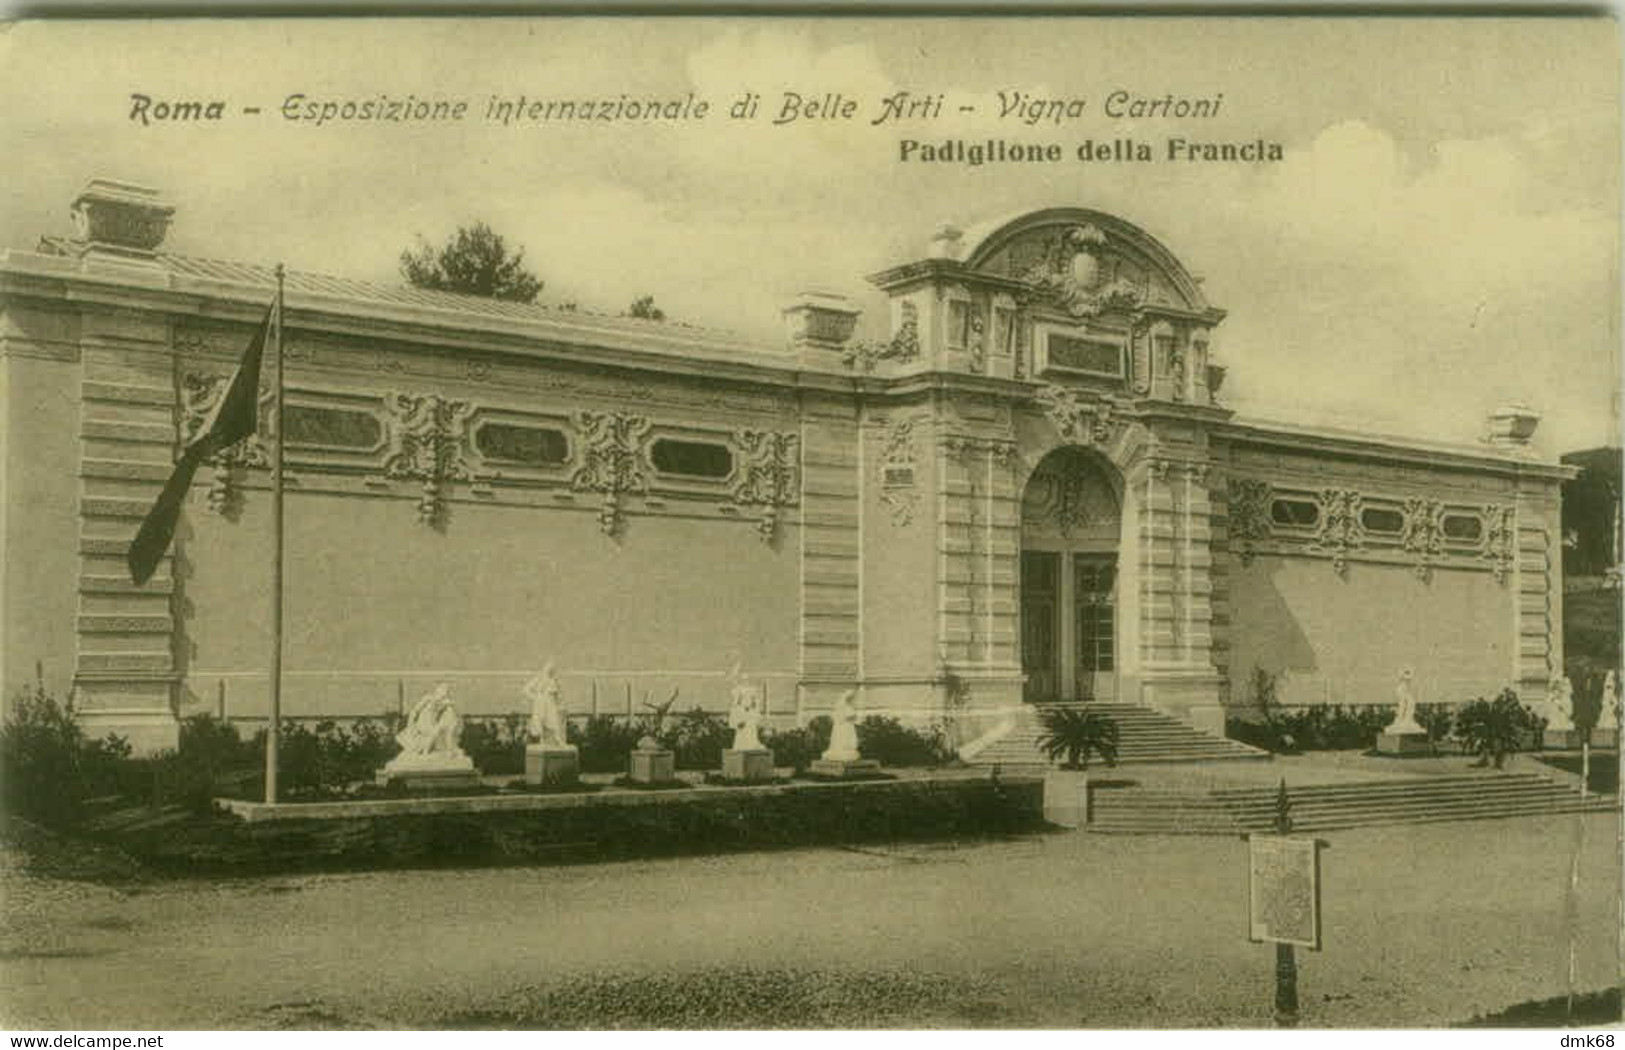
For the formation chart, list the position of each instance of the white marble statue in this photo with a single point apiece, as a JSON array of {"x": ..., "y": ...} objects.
[
  {"x": 749, "y": 704},
  {"x": 547, "y": 725},
  {"x": 433, "y": 730},
  {"x": 1560, "y": 705},
  {"x": 1608, "y": 717},
  {"x": 843, "y": 730},
  {"x": 1405, "y": 701}
]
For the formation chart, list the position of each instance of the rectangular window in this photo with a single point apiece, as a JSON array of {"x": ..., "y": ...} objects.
[
  {"x": 1298, "y": 513},
  {"x": 331, "y": 427},
  {"x": 536, "y": 446},
  {"x": 695, "y": 459},
  {"x": 1004, "y": 331}
]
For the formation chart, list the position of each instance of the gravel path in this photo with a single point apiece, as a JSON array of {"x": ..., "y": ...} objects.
[{"x": 1424, "y": 926}]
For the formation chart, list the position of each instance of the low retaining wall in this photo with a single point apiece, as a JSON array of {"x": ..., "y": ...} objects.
[{"x": 586, "y": 827}]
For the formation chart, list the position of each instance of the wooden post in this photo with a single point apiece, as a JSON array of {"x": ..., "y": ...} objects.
[
  {"x": 274, "y": 731},
  {"x": 1286, "y": 960}
]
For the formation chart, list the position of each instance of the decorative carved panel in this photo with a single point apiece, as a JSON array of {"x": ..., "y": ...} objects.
[
  {"x": 200, "y": 393},
  {"x": 1340, "y": 530},
  {"x": 904, "y": 345},
  {"x": 768, "y": 475},
  {"x": 611, "y": 461},
  {"x": 1085, "y": 421},
  {"x": 1249, "y": 515},
  {"x": 427, "y": 444},
  {"x": 1423, "y": 533},
  {"x": 898, "y": 490}
]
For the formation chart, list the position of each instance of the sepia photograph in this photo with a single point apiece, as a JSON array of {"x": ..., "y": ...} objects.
[{"x": 809, "y": 522}]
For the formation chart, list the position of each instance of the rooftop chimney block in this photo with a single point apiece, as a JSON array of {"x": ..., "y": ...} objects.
[{"x": 120, "y": 219}]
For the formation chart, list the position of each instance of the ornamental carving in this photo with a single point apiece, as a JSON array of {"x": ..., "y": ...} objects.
[
  {"x": 897, "y": 463},
  {"x": 611, "y": 461},
  {"x": 1500, "y": 540},
  {"x": 200, "y": 393},
  {"x": 767, "y": 475},
  {"x": 1249, "y": 515},
  {"x": 426, "y": 444},
  {"x": 1340, "y": 530},
  {"x": 1084, "y": 422},
  {"x": 1423, "y": 533},
  {"x": 904, "y": 344},
  {"x": 1071, "y": 275},
  {"x": 964, "y": 447},
  {"x": 978, "y": 345},
  {"x": 1059, "y": 499}
]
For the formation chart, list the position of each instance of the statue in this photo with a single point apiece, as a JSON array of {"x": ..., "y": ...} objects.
[
  {"x": 434, "y": 727},
  {"x": 1560, "y": 705},
  {"x": 1608, "y": 717},
  {"x": 745, "y": 712},
  {"x": 547, "y": 726},
  {"x": 1405, "y": 700},
  {"x": 431, "y": 745},
  {"x": 843, "y": 732}
]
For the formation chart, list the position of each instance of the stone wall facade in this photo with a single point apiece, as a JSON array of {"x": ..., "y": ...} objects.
[{"x": 1030, "y": 491}]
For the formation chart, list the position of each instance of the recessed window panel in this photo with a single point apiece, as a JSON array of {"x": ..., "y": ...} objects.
[
  {"x": 1462, "y": 528},
  {"x": 695, "y": 459},
  {"x": 535, "y": 446},
  {"x": 1381, "y": 519},
  {"x": 330, "y": 427},
  {"x": 958, "y": 323},
  {"x": 1085, "y": 355},
  {"x": 1300, "y": 513}
]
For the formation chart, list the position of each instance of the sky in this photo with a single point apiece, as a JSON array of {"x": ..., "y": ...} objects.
[{"x": 1441, "y": 237}]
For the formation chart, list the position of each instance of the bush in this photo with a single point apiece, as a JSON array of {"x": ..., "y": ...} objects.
[
  {"x": 891, "y": 743},
  {"x": 1437, "y": 719},
  {"x": 798, "y": 747},
  {"x": 47, "y": 767},
  {"x": 1078, "y": 734},
  {"x": 698, "y": 739},
  {"x": 496, "y": 745},
  {"x": 1494, "y": 729},
  {"x": 605, "y": 742}
]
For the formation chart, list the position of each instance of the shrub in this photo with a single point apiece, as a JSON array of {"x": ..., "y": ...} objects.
[
  {"x": 496, "y": 745},
  {"x": 1494, "y": 729},
  {"x": 1437, "y": 719},
  {"x": 799, "y": 746},
  {"x": 891, "y": 743},
  {"x": 47, "y": 767},
  {"x": 1077, "y": 735},
  {"x": 698, "y": 739},
  {"x": 606, "y": 742}
]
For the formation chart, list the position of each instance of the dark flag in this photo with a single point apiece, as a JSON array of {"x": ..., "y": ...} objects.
[{"x": 235, "y": 416}]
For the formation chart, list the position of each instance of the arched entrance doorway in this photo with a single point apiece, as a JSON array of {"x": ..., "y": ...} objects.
[{"x": 1071, "y": 516}]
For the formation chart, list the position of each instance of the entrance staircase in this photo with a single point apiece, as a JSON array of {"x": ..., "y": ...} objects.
[
  {"x": 1144, "y": 735},
  {"x": 1328, "y": 807}
]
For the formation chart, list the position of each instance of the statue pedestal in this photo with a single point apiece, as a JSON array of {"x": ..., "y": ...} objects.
[
  {"x": 1601, "y": 737},
  {"x": 752, "y": 765},
  {"x": 435, "y": 770},
  {"x": 545, "y": 764},
  {"x": 844, "y": 767},
  {"x": 652, "y": 765},
  {"x": 1403, "y": 745},
  {"x": 1562, "y": 740}
]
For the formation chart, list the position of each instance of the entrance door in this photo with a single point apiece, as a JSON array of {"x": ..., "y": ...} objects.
[
  {"x": 1094, "y": 622},
  {"x": 1041, "y": 625}
]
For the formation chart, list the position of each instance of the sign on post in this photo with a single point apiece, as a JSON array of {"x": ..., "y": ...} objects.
[{"x": 1283, "y": 890}]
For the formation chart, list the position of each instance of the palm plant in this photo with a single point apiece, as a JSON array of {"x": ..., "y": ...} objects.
[
  {"x": 1494, "y": 729},
  {"x": 1077, "y": 734}
]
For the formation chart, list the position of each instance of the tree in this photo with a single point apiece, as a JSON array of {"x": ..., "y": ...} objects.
[
  {"x": 475, "y": 262},
  {"x": 644, "y": 307}
]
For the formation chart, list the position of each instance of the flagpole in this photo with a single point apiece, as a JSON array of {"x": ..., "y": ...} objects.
[{"x": 274, "y": 733}]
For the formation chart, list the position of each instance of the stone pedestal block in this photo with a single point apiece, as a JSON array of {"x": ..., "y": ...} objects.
[
  {"x": 1403, "y": 744},
  {"x": 435, "y": 770},
  {"x": 551, "y": 765},
  {"x": 1562, "y": 740},
  {"x": 1605, "y": 738},
  {"x": 747, "y": 765},
  {"x": 652, "y": 765},
  {"x": 840, "y": 767}
]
